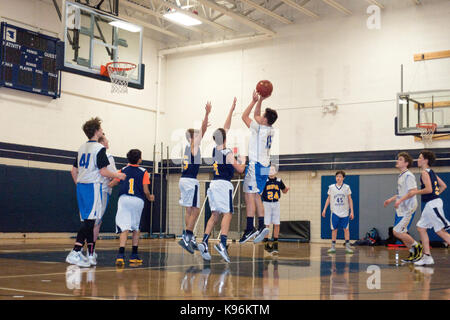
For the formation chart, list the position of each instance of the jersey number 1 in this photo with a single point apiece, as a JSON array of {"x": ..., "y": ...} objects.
[{"x": 131, "y": 188}]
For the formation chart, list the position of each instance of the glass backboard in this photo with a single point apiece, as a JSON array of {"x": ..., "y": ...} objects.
[{"x": 93, "y": 38}]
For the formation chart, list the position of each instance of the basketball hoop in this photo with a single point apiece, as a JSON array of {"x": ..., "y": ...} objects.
[
  {"x": 426, "y": 132},
  {"x": 120, "y": 74}
]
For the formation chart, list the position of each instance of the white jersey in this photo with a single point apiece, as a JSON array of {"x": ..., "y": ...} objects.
[
  {"x": 406, "y": 182},
  {"x": 111, "y": 167},
  {"x": 87, "y": 162},
  {"x": 260, "y": 143},
  {"x": 339, "y": 199}
]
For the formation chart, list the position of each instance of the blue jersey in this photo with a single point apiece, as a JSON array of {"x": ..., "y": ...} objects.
[
  {"x": 272, "y": 190},
  {"x": 434, "y": 186},
  {"x": 133, "y": 185},
  {"x": 222, "y": 170},
  {"x": 191, "y": 163}
]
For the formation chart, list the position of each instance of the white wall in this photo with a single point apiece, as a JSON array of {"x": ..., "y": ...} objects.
[
  {"x": 31, "y": 119},
  {"x": 334, "y": 57}
]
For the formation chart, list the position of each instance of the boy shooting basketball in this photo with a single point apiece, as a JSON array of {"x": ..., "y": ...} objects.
[
  {"x": 339, "y": 196},
  {"x": 405, "y": 205},
  {"x": 258, "y": 168}
]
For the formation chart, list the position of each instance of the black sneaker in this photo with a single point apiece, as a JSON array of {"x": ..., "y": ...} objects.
[
  {"x": 410, "y": 259},
  {"x": 186, "y": 244},
  {"x": 248, "y": 235},
  {"x": 418, "y": 252},
  {"x": 275, "y": 247}
]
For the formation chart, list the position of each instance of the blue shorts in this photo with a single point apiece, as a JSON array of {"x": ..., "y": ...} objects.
[
  {"x": 256, "y": 176},
  {"x": 338, "y": 222},
  {"x": 89, "y": 196}
]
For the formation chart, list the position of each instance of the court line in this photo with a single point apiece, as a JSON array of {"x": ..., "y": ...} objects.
[{"x": 52, "y": 293}]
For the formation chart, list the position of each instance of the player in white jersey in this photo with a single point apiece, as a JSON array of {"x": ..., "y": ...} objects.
[
  {"x": 340, "y": 201},
  {"x": 106, "y": 190},
  {"x": 405, "y": 205},
  {"x": 258, "y": 168},
  {"x": 87, "y": 172}
]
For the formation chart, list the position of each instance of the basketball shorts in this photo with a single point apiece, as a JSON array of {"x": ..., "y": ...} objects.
[
  {"x": 105, "y": 202},
  {"x": 403, "y": 220},
  {"x": 433, "y": 216},
  {"x": 338, "y": 222},
  {"x": 220, "y": 196},
  {"x": 89, "y": 197},
  {"x": 189, "y": 192},
  {"x": 256, "y": 176},
  {"x": 129, "y": 212},
  {"x": 271, "y": 212}
]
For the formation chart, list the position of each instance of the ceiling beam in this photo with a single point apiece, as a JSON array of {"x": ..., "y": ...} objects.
[
  {"x": 300, "y": 8},
  {"x": 195, "y": 16},
  {"x": 156, "y": 14},
  {"x": 237, "y": 16},
  {"x": 377, "y": 3},
  {"x": 338, "y": 6},
  {"x": 267, "y": 11}
]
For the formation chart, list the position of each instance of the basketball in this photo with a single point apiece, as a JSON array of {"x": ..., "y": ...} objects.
[{"x": 264, "y": 88}]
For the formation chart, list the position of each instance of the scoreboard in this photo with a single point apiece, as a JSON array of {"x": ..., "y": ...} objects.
[{"x": 29, "y": 61}]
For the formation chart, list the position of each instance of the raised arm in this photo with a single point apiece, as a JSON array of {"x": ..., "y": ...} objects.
[
  {"x": 227, "y": 124},
  {"x": 246, "y": 115},
  {"x": 257, "y": 113},
  {"x": 205, "y": 125}
]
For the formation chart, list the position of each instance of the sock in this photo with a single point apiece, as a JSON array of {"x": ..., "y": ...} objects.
[
  {"x": 347, "y": 243},
  {"x": 205, "y": 238},
  {"x": 275, "y": 239},
  {"x": 134, "y": 250},
  {"x": 121, "y": 250},
  {"x": 77, "y": 248},
  {"x": 223, "y": 240},
  {"x": 414, "y": 244},
  {"x": 333, "y": 244},
  {"x": 189, "y": 235},
  {"x": 90, "y": 248},
  {"x": 266, "y": 239},
  {"x": 93, "y": 246},
  {"x": 261, "y": 223},
  {"x": 250, "y": 222}
]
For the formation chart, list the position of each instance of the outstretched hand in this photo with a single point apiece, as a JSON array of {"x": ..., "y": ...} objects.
[
  {"x": 233, "y": 106},
  {"x": 208, "y": 107},
  {"x": 255, "y": 96}
]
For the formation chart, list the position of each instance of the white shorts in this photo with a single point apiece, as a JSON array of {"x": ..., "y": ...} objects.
[
  {"x": 129, "y": 211},
  {"x": 433, "y": 216},
  {"x": 271, "y": 212},
  {"x": 256, "y": 176},
  {"x": 220, "y": 196},
  {"x": 105, "y": 201},
  {"x": 402, "y": 221},
  {"x": 189, "y": 192}
]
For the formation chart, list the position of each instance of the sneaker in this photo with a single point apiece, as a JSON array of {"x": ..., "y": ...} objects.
[
  {"x": 203, "y": 248},
  {"x": 186, "y": 244},
  {"x": 332, "y": 250},
  {"x": 194, "y": 243},
  {"x": 92, "y": 260},
  {"x": 410, "y": 259},
  {"x": 418, "y": 252},
  {"x": 223, "y": 251},
  {"x": 275, "y": 247},
  {"x": 267, "y": 247},
  {"x": 134, "y": 258},
  {"x": 261, "y": 235},
  {"x": 348, "y": 250},
  {"x": 248, "y": 235},
  {"x": 120, "y": 260},
  {"x": 424, "y": 261},
  {"x": 77, "y": 258}
]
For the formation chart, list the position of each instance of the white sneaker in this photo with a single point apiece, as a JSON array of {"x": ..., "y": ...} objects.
[
  {"x": 426, "y": 260},
  {"x": 92, "y": 260},
  {"x": 76, "y": 258},
  {"x": 203, "y": 248},
  {"x": 261, "y": 235}
]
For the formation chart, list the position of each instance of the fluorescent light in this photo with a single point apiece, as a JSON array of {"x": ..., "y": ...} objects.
[
  {"x": 126, "y": 26},
  {"x": 182, "y": 18}
]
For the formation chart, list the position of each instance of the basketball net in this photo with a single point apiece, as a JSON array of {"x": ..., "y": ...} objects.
[
  {"x": 426, "y": 132},
  {"x": 120, "y": 74}
]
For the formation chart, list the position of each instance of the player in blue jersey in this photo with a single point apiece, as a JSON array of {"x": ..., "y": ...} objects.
[
  {"x": 433, "y": 213},
  {"x": 132, "y": 193},
  {"x": 270, "y": 196},
  {"x": 87, "y": 172},
  {"x": 220, "y": 192},
  {"x": 189, "y": 186}
]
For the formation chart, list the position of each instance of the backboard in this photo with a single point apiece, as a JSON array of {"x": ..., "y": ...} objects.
[
  {"x": 422, "y": 107},
  {"x": 93, "y": 38}
]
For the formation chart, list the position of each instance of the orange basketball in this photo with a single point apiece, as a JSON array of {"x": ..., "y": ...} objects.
[{"x": 264, "y": 88}]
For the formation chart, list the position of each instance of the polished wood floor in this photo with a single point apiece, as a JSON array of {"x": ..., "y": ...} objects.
[{"x": 36, "y": 269}]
